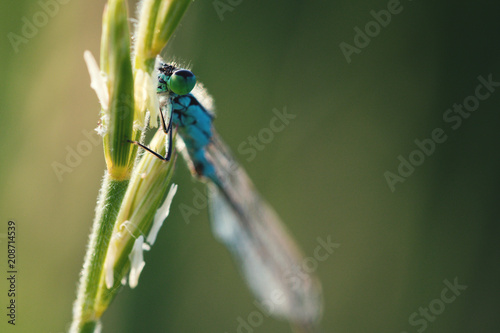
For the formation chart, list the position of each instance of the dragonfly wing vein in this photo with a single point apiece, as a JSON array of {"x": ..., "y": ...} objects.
[{"x": 267, "y": 256}]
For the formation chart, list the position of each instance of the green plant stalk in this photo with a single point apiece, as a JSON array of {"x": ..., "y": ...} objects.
[
  {"x": 169, "y": 15},
  {"x": 115, "y": 62},
  {"x": 144, "y": 196},
  {"x": 157, "y": 22},
  {"x": 136, "y": 200},
  {"x": 85, "y": 318},
  {"x": 144, "y": 59}
]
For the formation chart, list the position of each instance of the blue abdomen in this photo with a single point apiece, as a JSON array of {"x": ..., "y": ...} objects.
[{"x": 194, "y": 125}]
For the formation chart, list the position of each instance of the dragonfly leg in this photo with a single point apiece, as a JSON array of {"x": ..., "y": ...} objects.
[
  {"x": 163, "y": 126},
  {"x": 166, "y": 158},
  {"x": 167, "y": 129}
]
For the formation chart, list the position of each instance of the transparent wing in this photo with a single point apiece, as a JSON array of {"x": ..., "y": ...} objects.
[{"x": 267, "y": 256}]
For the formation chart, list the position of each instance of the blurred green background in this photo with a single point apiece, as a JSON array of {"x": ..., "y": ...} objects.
[{"x": 324, "y": 173}]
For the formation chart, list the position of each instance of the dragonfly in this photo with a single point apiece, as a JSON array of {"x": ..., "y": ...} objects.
[{"x": 267, "y": 256}]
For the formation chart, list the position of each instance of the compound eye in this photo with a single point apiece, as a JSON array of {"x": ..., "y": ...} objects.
[{"x": 182, "y": 82}]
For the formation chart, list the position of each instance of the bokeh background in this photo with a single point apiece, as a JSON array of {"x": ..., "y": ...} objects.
[{"x": 324, "y": 173}]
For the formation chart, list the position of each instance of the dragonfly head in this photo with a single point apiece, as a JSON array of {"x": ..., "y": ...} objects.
[{"x": 178, "y": 81}]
